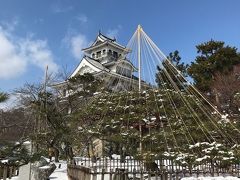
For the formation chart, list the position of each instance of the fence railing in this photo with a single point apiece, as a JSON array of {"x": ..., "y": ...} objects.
[
  {"x": 114, "y": 169},
  {"x": 8, "y": 171}
]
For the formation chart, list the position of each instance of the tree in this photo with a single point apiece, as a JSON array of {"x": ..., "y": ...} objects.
[
  {"x": 48, "y": 118},
  {"x": 52, "y": 113},
  {"x": 166, "y": 124},
  {"x": 167, "y": 74},
  {"x": 13, "y": 154},
  {"x": 3, "y": 97},
  {"x": 228, "y": 88},
  {"x": 81, "y": 88},
  {"x": 14, "y": 124},
  {"x": 214, "y": 57}
]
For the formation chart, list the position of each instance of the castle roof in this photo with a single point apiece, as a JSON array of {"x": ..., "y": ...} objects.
[
  {"x": 103, "y": 40},
  {"x": 96, "y": 65}
]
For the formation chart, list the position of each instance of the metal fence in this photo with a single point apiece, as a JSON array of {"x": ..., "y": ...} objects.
[{"x": 118, "y": 169}]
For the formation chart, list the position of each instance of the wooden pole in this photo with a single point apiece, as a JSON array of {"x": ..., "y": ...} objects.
[{"x": 139, "y": 29}]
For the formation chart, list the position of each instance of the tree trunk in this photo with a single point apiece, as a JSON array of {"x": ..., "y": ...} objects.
[{"x": 56, "y": 154}]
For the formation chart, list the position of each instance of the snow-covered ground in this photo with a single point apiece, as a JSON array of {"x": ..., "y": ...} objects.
[
  {"x": 13, "y": 178},
  {"x": 60, "y": 173},
  {"x": 211, "y": 178}
]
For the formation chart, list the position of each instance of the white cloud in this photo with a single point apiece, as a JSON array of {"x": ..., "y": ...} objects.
[
  {"x": 38, "y": 53},
  {"x": 11, "y": 63},
  {"x": 16, "y": 54},
  {"x": 76, "y": 42},
  {"x": 82, "y": 18},
  {"x": 11, "y": 24},
  {"x": 113, "y": 33}
]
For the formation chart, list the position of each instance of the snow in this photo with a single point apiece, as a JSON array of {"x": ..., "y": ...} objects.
[
  {"x": 96, "y": 93},
  {"x": 203, "y": 158},
  {"x": 210, "y": 178},
  {"x": 224, "y": 118},
  {"x": 44, "y": 167},
  {"x": 4, "y": 161},
  {"x": 46, "y": 159},
  {"x": 116, "y": 156},
  {"x": 27, "y": 143},
  {"x": 13, "y": 178},
  {"x": 153, "y": 118},
  {"x": 145, "y": 120},
  {"x": 214, "y": 112},
  {"x": 60, "y": 173},
  {"x": 124, "y": 134}
]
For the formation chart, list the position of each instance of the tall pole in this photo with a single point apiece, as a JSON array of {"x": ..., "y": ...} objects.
[
  {"x": 139, "y": 29},
  {"x": 45, "y": 85},
  {"x": 139, "y": 56},
  {"x": 45, "y": 93}
]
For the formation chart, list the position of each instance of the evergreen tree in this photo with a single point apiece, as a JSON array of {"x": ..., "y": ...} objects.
[
  {"x": 3, "y": 97},
  {"x": 125, "y": 119},
  {"x": 214, "y": 57},
  {"x": 167, "y": 74},
  {"x": 15, "y": 154}
]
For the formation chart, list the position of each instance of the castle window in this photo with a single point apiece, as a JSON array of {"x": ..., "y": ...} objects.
[
  {"x": 93, "y": 55},
  {"x": 115, "y": 54},
  {"x": 104, "y": 51},
  {"x": 98, "y": 54}
]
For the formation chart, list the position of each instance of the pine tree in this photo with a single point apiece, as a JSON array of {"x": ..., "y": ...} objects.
[
  {"x": 214, "y": 57},
  {"x": 116, "y": 118},
  {"x": 3, "y": 97},
  {"x": 167, "y": 74}
]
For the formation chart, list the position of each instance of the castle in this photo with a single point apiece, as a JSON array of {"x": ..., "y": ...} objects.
[{"x": 106, "y": 59}]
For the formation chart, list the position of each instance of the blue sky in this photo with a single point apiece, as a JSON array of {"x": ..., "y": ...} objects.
[{"x": 34, "y": 33}]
